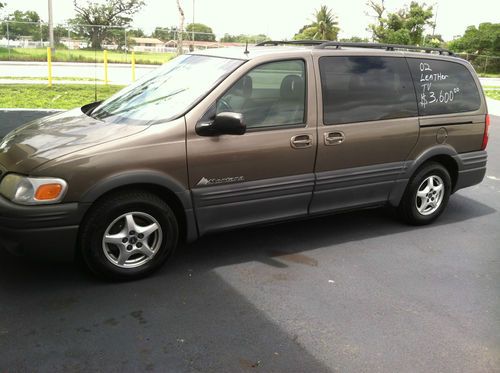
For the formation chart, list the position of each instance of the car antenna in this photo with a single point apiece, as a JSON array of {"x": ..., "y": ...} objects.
[{"x": 246, "y": 48}]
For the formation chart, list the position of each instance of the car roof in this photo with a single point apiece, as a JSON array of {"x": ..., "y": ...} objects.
[
  {"x": 250, "y": 52},
  {"x": 244, "y": 53}
]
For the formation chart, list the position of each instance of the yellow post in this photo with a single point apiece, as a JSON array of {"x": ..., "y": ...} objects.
[
  {"x": 133, "y": 66},
  {"x": 49, "y": 64},
  {"x": 106, "y": 81}
]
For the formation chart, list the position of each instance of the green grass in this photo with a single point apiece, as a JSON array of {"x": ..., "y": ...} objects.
[
  {"x": 482, "y": 75},
  {"x": 67, "y": 78},
  {"x": 81, "y": 55},
  {"x": 38, "y": 96},
  {"x": 494, "y": 94}
]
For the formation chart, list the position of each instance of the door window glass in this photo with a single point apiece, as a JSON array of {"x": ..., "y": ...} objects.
[{"x": 272, "y": 94}]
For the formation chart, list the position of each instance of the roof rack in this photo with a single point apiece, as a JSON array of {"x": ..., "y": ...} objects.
[
  {"x": 388, "y": 47},
  {"x": 322, "y": 44},
  {"x": 291, "y": 42}
]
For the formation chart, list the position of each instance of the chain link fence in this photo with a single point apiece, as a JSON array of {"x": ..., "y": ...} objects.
[
  {"x": 114, "y": 55},
  {"x": 77, "y": 38},
  {"x": 483, "y": 64},
  {"x": 87, "y": 63}
]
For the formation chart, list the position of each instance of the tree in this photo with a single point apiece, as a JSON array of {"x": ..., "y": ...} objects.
[
  {"x": 354, "y": 39},
  {"x": 435, "y": 41},
  {"x": 405, "y": 26},
  {"x": 26, "y": 23},
  {"x": 205, "y": 32},
  {"x": 324, "y": 26},
  {"x": 482, "y": 40},
  {"x": 111, "y": 13},
  {"x": 164, "y": 33},
  {"x": 243, "y": 38}
]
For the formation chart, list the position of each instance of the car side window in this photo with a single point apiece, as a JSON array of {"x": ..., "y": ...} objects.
[
  {"x": 443, "y": 87},
  {"x": 364, "y": 88},
  {"x": 271, "y": 95}
]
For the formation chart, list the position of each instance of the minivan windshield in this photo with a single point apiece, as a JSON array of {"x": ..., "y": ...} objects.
[{"x": 167, "y": 92}]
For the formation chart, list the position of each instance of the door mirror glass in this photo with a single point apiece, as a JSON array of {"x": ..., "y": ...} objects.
[{"x": 226, "y": 123}]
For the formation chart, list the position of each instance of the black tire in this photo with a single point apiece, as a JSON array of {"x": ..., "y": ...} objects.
[
  {"x": 408, "y": 207},
  {"x": 98, "y": 256}
]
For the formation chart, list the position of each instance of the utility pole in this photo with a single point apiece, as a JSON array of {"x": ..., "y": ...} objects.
[
  {"x": 192, "y": 36},
  {"x": 435, "y": 21},
  {"x": 180, "y": 49},
  {"x": 51, "y": 27}
]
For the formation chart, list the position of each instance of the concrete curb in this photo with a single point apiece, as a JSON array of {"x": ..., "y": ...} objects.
[
  {"x": 54, "y": 82},
  {"x": 32, "y": 110},
  {"x": 81, "y": 64}
]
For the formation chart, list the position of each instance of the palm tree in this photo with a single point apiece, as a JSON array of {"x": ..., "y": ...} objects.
[{"x": 325, "y": 25}]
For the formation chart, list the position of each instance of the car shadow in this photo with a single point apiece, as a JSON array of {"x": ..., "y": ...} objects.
[
  {"x": 264, "y": 243},
  {"x": 257, "y": 243},
  {"x": 54, "y": 316}
]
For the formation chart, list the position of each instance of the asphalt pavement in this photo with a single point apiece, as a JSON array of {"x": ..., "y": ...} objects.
[{"x": 358, "y": 292}]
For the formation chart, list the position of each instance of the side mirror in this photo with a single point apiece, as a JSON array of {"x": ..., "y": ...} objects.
[{"x": 224, "y": 124}]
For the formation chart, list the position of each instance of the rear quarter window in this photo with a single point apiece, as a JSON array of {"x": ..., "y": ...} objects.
[
  {"x": 443, "y": 87},
  {"x": 366, "y": 88}
]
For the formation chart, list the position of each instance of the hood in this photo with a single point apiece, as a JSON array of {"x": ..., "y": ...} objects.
[{"x": 48, "y": 138}]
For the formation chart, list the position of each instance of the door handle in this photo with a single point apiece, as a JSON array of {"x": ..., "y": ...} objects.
[
  {"x": 301, "y": 141},
  {"x": 334, "y": 138}
]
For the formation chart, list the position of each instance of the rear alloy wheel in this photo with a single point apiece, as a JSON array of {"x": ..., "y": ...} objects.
[
  {"x": 128, "y": 235},
  {"x": 426, "y": 195},
  {"x": 429, "y": 195}
]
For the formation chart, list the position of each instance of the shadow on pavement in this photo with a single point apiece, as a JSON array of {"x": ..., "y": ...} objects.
[{"x": 54, "y": 317}]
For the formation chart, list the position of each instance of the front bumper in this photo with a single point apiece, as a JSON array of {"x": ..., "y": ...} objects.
[{"x": 48, "y": 231}]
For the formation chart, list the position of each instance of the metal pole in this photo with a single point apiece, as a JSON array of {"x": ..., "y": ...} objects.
[
  {"x": 435, "y": 21},
  {"x": 192, "y": 36},
  {"x": 51, "y": 26},
  {"x": 133, "y": 66},
  {"x": 126, "y": 47},
  {"x": 8, "y": 39},
  {"x": 106, "y": 81},
  {"x": 69, "y": 40},
  {"x": 49, "y": 66}
]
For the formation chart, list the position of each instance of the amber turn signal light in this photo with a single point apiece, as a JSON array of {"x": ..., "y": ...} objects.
[{"x": 48, "y": 192}]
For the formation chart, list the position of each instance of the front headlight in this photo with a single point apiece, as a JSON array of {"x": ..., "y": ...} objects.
[{"x": 33, "y": 190}]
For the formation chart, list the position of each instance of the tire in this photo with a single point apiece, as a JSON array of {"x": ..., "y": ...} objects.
[
  {"x": 422, "y": 204},
  {"x": 128, "y": 235}
]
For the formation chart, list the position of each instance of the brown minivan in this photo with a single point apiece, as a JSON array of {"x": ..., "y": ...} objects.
[{"x": 232, "y": 137}]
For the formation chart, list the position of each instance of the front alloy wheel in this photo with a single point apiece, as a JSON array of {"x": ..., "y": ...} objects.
[
  {"x": 128, "y": 235},
  {"x": 132, "y": 239}
]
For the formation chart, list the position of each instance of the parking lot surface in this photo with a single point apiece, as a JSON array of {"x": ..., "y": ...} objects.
[{"x": 357, "y": 292}]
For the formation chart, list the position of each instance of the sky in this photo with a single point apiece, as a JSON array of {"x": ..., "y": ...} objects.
[{"x": 280, "y": 19}]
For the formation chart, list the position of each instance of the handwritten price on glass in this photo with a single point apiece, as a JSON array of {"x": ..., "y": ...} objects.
[{"x": 429, "y": 96}]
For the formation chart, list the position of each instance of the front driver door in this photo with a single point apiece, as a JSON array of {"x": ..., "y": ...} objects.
[{"x": 267, "y": 173}]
